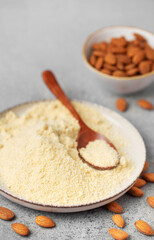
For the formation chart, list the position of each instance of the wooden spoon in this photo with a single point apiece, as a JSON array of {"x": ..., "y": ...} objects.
[{"x": 86, "y": 134}]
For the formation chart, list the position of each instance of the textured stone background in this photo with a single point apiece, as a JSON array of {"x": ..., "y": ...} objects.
[{"x": 36, "y": 35}]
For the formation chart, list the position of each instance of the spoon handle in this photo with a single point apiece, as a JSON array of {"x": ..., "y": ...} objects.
[{"x": 53, "y": 85}]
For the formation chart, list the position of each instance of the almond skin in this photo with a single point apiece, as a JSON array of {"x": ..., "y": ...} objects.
[
  {"x": 118, "y": 234},
  {"x": 21, "y": 229},
  {"x": 146, "y": 165},
  {"x": 44, "y": 221},
  {"x": 144, "y": 227},
  {"x": 121, "y": 104},
  {"x": 6, "y": 214},
  {"x": 145, "y": 67},
  {"x": 136, "y": 192},
  {"x": 114, "y": 207},
  {"x": 118, "y": 220},
  {"x": 150, "y": 200},
  {"x": 149, "y": 177},
  {"x": 145, "y": 104},
  {"x": 110, "y": 58},
  {"x": 140, "y": 183}
]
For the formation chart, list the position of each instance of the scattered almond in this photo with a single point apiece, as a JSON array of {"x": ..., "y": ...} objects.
[
  {"x": 136, "y": 192},
  {"x": 149, "y": 177},
  {"x": 146, "y": 165},
  {"x": 118, "y": 220},
  {"x": 44, "y": 221},
  {"x": 145, "y": 104},
  {"x": 150, "y": 200},
  {"x": 139, "y": 183},
  {"x": 21, "y": 229},
  {"x": 121, "y": 104},
  {"x": 114, "y": 207},
  {"x": 144, "y": 227},
  {"x": 6, "y": 214},
  {"x": 118, "y": 234}
]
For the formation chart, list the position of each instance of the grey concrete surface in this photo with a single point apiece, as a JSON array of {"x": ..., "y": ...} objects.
[{"x": 36, "y": 35}]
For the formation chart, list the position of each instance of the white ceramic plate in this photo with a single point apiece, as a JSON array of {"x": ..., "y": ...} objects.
[{"x": 136, "y": 151}]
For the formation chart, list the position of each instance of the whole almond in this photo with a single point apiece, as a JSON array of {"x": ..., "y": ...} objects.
[
  {"x": 150, "y": 200},
  {"x": 119, "y": 73},
  {"x": 139, "y": 37},
  {"x": 106, "y": 71},
  {"x": 131, "y": 51},
  {"x": 21, "y": 229},
  {"x": 149, "y": 54},
  {"x": 44, "y": 221},
  {"x": 109, "y": 66},
  {"x": 132, "y": 72},
  {"x": 121, "y": 104},
  {"x": 118, "y": 50},
  {"x": 120, "y": 42},
  {"x": 6, "y": 214},
  {"x": 123, "y": 58},
  {"x": 138, "y": 57},
  {"x": 146, "y": 165},
  {"x": 139, "y": 183},
  {"x": 92, "y": 60},
  {"x": 144, "y": 227},
  {"x": 114, "y": 207},
  {"x": 145, "y": 67},
  {"x": 99, "y": 63},
  {"x": 130, "y": 66},
  {"x": 149, "y": 177},
  {"x": 118, "y": 220},
  {"x": 120, "y": 66},
  {"x": 136, "y": 192},
  {"x": 118, "y": 234},
  {"x": 96, "y": 46},
  {"x": 103, "y": 46},
  {"x": 145, "y": 104},
  {"x": 110, "y": 58},
  {"x": 98, "y": 53}
]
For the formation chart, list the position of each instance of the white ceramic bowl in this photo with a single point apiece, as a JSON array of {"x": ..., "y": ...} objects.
[
  {"x": 136, "y": 150},
  {"x": 121, "y": 85}
]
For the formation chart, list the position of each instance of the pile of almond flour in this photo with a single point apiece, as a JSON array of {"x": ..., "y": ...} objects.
[{"x": 39, "y": 160}]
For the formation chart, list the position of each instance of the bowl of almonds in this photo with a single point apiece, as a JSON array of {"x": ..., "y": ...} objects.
[{"x": 121, "y": 57}]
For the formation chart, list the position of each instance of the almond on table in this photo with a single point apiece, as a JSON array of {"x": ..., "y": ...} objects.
[
  {"x": 144, "y": 227},
  {"x": 143, "y": 103},
  {"x": 118, "y": 234},
  {"x": 150, "y": 200},
  {"x": 6, "y": 214},
  {"x": 114, "y": 207},
  {"x": 136, "y": 192},
  {"x": 44, "y": 221},
  {"x": 149, "y": 177},
  {"x": 121, "y": 104},
  {"x": 146, "y": 165},
  {"x": 21, "y": 229},
  {"x": 118, "y": 220},
  {"x": 139, "y": 183}
]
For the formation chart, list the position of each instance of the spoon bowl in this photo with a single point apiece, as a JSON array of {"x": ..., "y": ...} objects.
[{"x": 86, "y": 134}]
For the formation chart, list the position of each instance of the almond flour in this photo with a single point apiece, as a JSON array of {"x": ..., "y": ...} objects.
[{"x": 40, "y": 162}]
